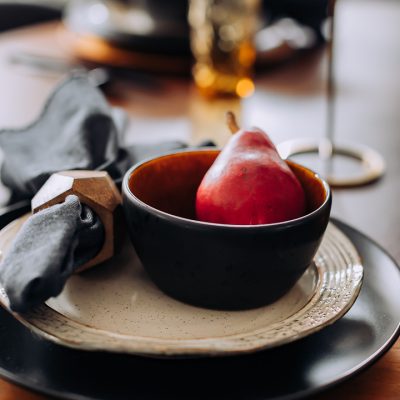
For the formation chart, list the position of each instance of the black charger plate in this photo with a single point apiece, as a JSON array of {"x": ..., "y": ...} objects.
[{"x": 292, "y": 371}]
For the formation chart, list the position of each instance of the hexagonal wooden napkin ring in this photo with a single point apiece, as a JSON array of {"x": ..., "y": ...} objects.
[{"x": 95, "y": 189}]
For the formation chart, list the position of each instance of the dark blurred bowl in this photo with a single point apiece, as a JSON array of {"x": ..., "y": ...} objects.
[
  {"x": 156, "y": 27},
  {"x": 215, "y": 265},
  {"x": 151, "y": 27}
]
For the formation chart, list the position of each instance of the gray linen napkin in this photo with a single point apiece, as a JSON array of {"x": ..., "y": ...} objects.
[
  {"x": 50, "y": 246},
  {"x": 76, "y": 130}
]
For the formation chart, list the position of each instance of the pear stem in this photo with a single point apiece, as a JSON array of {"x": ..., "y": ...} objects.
[{"x": 231, "y": 122}]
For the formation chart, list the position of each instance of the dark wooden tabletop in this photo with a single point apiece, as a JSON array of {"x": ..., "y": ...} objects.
[{"x": 289, "y": 102}]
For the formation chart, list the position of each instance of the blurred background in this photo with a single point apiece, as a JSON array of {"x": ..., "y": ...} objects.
[
  {"x": 309, "y": 12},
  {"x": 156, "y": 26}
]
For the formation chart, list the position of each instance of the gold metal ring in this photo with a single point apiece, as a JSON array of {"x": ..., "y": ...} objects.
[{"x": 372, "y": 162}]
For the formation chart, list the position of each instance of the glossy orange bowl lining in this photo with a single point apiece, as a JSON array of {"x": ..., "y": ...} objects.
[{"x": 169, "y": 183}]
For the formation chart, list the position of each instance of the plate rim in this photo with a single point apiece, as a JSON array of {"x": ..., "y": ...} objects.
[
  {"x": 228, "y": 345},
  {"x": 341, "y": 377}
]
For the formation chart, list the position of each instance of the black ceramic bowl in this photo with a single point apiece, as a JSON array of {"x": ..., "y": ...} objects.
[{"x": 215, "y": 265}]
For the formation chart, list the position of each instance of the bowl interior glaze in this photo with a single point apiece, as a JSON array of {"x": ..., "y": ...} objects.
[{"x": 169, "y": 183}]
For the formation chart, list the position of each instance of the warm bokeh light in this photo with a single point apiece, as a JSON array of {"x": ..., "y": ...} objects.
[
  {"x": 203, "y": 76},
  {"x": 222, "y": 44},
  {"x": 245, "y": 87}
]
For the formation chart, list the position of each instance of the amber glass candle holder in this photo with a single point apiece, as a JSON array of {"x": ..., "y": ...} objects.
[{"x": 222, "y": 33}]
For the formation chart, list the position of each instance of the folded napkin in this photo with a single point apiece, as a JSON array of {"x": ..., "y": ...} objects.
[
  {"x": 76, "y": 130},
  {"x": 50, "y": 246}
]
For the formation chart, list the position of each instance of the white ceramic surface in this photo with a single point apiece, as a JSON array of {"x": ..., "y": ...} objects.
[{"x": 116, "y": 307}]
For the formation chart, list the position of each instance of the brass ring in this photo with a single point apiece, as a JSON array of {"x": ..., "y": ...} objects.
[{"x": 372, "y": 162}]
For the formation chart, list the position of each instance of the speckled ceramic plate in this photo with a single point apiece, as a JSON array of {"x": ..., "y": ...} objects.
[{"x": 116, "y": 307}]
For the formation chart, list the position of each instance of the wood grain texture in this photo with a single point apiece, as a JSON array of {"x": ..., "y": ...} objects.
[
  {"x": 288, "y": 102},
  {"x": 8, "y": 391},
  {"x": 95, "y": 189}
]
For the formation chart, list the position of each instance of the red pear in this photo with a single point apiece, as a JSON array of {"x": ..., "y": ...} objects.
[{"x": 249, "y": 184}]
